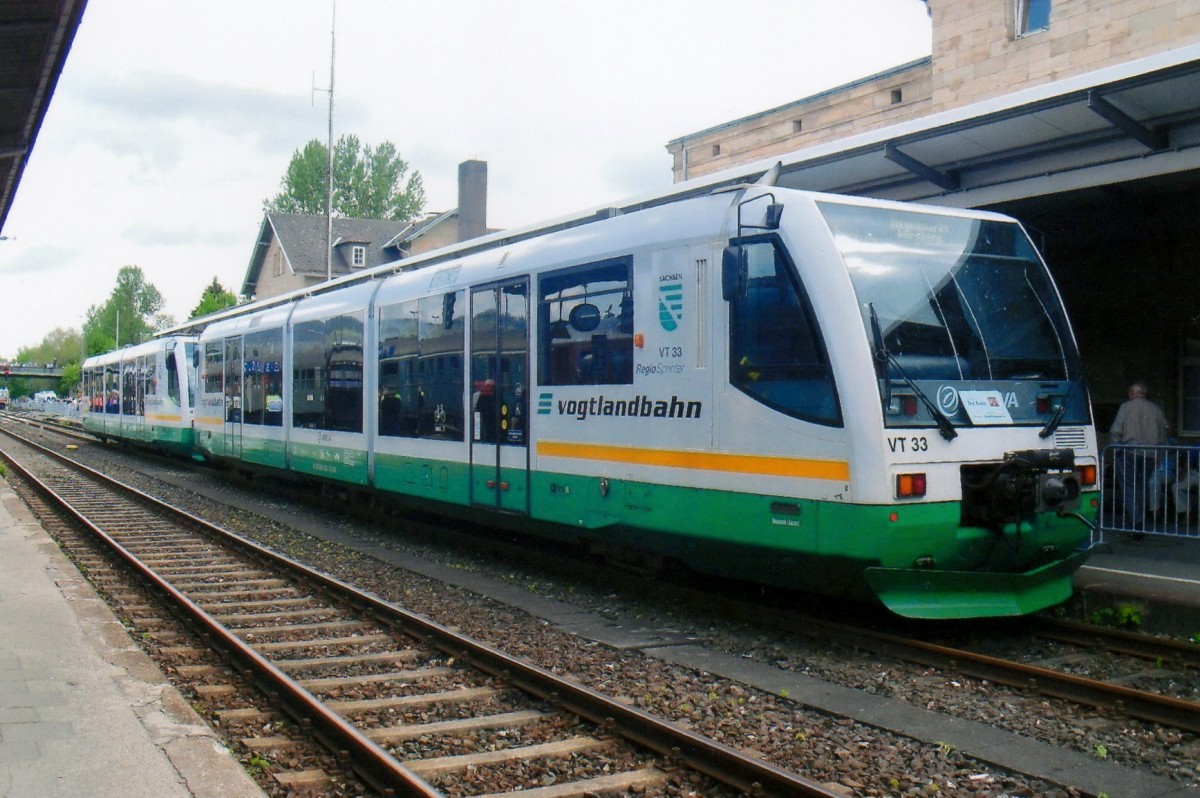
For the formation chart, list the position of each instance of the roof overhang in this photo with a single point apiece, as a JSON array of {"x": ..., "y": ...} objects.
[
  {"x": 1137, "y": 119},
  {"x": 35, "y": 37},
  {"x": 266, "y": 234}
]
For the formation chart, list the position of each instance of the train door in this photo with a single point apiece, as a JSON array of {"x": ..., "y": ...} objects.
[
  {"x": 112, "y": 398},
  {"x": 137, "y": 424},
  {"x": 128, "y": 395},
  {"x": 233, "y": 396},
  {"x": 499, "y": 391}
]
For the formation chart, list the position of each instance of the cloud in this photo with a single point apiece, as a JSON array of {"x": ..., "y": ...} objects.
[
  {"x": 183, "y": 236},
  {"x": 40, "y": 260},
  {"x": 148, "y": 101}
]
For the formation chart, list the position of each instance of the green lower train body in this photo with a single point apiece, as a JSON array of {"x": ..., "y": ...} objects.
[
  {"x": 174, "y": 439},
  {"x": 916, "y": 559}
]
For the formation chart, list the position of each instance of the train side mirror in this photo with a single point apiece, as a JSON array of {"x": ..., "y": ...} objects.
[{"x": 735, "y": 272}]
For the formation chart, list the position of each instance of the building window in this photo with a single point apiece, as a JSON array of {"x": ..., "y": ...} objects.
[
  {"x": 1189, "y": 389},
  {"x": 358, "y": 257},
  {"x": 797, "y": 125},
  {"x": 277, "y": 265},
  {"x": 1032, "y": 16},
  {"x": 897, "y": 96},
  {"x": 716, "y": 150}
]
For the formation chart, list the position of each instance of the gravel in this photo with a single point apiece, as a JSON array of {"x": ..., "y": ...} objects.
[{"x": 838, "y": 751}]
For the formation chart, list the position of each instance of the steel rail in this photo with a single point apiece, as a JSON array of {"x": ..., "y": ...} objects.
[
  {"x": 371, "y": 760},
  {"x": 1176, "y": 712},
  {"x": 696, "y": 751},
  {"x": 1135, "y": 644}
]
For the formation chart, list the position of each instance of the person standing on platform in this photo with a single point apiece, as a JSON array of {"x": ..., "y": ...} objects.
[{"x": 1139, "y": 423}]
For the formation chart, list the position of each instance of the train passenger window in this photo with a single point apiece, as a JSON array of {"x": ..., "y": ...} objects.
[
  {"x": 327, "y": 375},
  {"x": 112, "y": 389},
  {"x": 212, "y": 371},
  {"x": 585, "y": 323},
  {"x": 263, "y": 368},
  {"x": 129, "y": 385},
  {"x": 776, "y": 352},
  {"x": 421, "y": 345}
]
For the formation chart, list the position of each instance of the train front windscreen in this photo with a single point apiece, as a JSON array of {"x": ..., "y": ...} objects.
[{"x": 962, "y": 317}]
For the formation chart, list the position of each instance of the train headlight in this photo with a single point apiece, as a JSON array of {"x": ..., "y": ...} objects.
[
  {"x": 1058, "y": 493},
  {"x": 902, "y": 404},
  {"x": 1049, "y": 403},
  {"x": 910, "y": 486}
]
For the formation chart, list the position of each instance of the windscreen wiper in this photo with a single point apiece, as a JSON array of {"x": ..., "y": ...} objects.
[
  {"x": 884, "y": 357},
  {"x": 1057, "y": 418}
]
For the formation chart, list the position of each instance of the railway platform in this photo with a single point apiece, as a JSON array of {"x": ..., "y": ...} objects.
[
  {"x": 1153, "y": 580},
  {"x": 83, "y": 711}
]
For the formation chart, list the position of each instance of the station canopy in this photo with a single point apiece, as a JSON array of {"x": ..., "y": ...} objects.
[
  {"x": 1136, "y": 120},
  {"x": 35, "y": 36}
]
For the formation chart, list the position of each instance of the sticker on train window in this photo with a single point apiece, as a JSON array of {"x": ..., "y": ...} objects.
[{"x": 985, "y": 407}]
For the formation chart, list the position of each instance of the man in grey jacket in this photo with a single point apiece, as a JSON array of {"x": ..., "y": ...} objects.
[{"x": 1139, "y": 423}]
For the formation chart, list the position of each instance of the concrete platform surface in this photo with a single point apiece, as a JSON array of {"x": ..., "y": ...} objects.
[
  {"x": 83, "y": 711},
  {"x": 1157, "y": 574}
]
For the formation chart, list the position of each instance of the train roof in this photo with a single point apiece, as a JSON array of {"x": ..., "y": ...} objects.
[
  {"x": 135, "y": 350},
  {"x": 717, "y": 184}
]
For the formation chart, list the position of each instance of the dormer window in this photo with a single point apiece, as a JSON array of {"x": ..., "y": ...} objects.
[{"x": 358, "y": 257}]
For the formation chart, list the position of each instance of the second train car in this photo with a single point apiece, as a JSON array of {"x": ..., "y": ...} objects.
[
  {"x": 143, "y": 393},
  {"x": 852, "y": 397}
]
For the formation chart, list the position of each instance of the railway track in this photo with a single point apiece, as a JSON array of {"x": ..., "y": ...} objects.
[
  {"x": 416, "y": 708},
  {"x": 1055, "y": 682},
  {"x": 1022, "y": 643}
]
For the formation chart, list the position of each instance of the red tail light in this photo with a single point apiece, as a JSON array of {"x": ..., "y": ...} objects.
[{"x": 910, "y": 486}]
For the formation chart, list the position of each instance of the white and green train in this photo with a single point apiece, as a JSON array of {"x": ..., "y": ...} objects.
[
  {"x": 144, "y": 393},
  {"x": 850, "y": 397}
]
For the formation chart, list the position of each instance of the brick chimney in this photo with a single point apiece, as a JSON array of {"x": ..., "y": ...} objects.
[{"x": 472, "y": 199}]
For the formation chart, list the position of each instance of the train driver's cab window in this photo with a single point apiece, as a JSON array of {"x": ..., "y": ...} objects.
[
  {"x": 776, "y": 352},
  {"x": 585, "y": 319}
]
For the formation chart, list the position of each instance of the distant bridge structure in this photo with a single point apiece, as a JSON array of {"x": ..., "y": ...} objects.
[{"x": 49, "y": 371}]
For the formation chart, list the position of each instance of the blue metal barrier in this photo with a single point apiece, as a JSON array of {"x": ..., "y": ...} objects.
[{"x": 1150, "y": 490}]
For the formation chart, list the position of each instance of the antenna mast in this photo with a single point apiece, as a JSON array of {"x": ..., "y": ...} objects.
[{"x": 329, "y": 175}]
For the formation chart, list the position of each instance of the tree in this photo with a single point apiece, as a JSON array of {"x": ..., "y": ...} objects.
[
  {"x": 214, "y": 298},
  {"x": 135, "y": 304},
  {"x": 368, "y": 183},
  {"x": 61, "y": 347},
  {"x": 70, "y": 379}
]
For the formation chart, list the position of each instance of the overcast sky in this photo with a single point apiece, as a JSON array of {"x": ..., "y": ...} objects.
[{"x": 174, "y": 120}]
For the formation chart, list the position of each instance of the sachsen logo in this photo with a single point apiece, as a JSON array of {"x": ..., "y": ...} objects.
[
  {"x": 670, "y": 301},
  {"x": 637, "y": 407}
]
